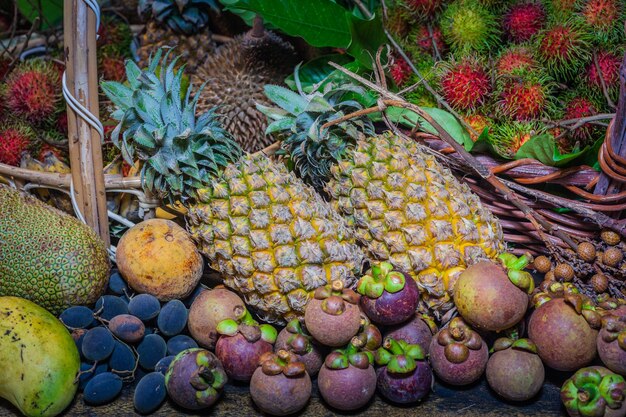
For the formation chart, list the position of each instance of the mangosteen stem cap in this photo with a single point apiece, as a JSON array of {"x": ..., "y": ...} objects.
[{"x": 381, "y": 277}]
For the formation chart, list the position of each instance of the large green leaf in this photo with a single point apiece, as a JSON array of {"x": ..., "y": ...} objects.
[
  {"x": 51, "y": 11},
  {"x": 447, "y": 121},
  {"x": 317, "y": 70},
  {"x": 544, "y": 149},
  {"x": 367, "y": 36}
]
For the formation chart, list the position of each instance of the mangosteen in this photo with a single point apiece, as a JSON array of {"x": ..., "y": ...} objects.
[
  {"x": 295, "y": 338},
  {"x": 594, "y": 392},
  {"x": 195, "y": 378},
  {"x": 458, "y": 354},
  {"x": 418, "y": 330},
  {"x": 611, "y": 342},
  {"x": 388, "y": 297},
  {"x": 515, "y": 371},
  {"x": 369, "y": 337},
  {"x": 208, "y": 309},
  {"x": 563, "y": 327},
  {"x": 404, "y": 376},
  {"x": 241, "y": 345},
  {"x": 280, "y": 385},
  {"x": 333, "y": 316},
  {"x": 347, "y": 381},
  {"x": 494, "y": 296}
]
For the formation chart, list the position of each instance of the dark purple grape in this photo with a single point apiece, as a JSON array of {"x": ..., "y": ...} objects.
[
  {"x": 77, "y": 317},
  {"x": 102, "y": 388},
  {"x": 117, "y": 285},
  {"x": 163, "y": 364},
  {"x": 128, "y": 328},
  {"x": 78, "y": 335},
  {"x": 144, "y": 306},
  {"x": 88, "y": 371},
  {"x": 150, "y": 393},
  {"x": 109, "y": 306},
  {"x": 98, "y": 344},
  {"x": 122, "y": 359},
  {"x": 179, "y": 343},
  {"x": 149, "y": 330},
  {"x": 151, "y": 350},
  {"x": 196, "y": 292},
  {"x": 172, "y": 318}
]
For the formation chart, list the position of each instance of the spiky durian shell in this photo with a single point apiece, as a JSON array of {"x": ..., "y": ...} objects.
[{"x": 235, "y": 77}]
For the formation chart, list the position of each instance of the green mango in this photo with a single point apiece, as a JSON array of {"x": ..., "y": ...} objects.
[{"x": 38, "y": 358}]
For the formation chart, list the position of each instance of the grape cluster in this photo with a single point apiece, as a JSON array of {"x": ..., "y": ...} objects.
[{"x": 128, "y": 338}]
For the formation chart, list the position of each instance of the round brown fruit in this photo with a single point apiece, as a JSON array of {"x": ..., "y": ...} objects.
[
  {"x": 564, "y": 339},
  {"x": 208, "y": 309},
  {"x": 158, "y": 257},
  {"x": 612, "y": 341},
  {"x": 586, "y": 251},
  {"x": 542, "y": 264},
  {"x": 564, "y": 272},
  {"x": 612, "y": 257},
  {"x": 487, "y": 299},
  {"x": 600, "y": 283},
  {"x": 610, "y": 237}
]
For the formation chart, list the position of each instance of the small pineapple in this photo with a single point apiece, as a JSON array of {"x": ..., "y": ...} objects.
[
  {"x": 270, "y": 235},
  {"x": 405, "y": 207},
  {"x": 180, "y": 24}
]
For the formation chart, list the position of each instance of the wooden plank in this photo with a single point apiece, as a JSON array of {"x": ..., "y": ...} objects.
[
  {"x": 84, "y": 142},
  {"x": 474, "y": 401}
]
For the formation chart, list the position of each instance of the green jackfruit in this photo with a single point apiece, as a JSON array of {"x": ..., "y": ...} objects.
[{"x": 47, "y": 256}]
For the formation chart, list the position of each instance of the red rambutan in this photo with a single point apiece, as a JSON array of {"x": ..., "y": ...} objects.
[
  {"x": 524, "y": 98},
  {"x": 564, "y": 48},
  {"x": 523, "y": 21},
  {"x": 479, "y": 123},
  {"x": 423, "y": 8},
  {"x": 465, "y": 85},
  {"x": 508, "y": 138},
  {"x": 515, "y": 59},
  {"x": 581, "y": 107},
  {"x": 427, "y": 38},
  {"x": 61, "y": 124},
  {"x": 14, "y": 139},
  {"x": 400, "y": 71},
  {"x": 604, "y": 17},
  {"x": 112, "y": 68},
  {"x": 33, "y": 90},
  {"x": 609, "y": 65}
]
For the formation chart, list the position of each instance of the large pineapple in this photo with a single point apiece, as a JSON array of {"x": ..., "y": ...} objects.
[
  {"x": 179, "y": 24},
  {"x": 404, "y": 205},
  {"x": 270, "y": 235}
]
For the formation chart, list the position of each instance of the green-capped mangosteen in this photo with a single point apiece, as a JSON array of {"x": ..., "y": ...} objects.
[
  {"x": 295, "y": 338},
  {"x": 594, "y": 392},
  {"x": 419, "y": 330}
]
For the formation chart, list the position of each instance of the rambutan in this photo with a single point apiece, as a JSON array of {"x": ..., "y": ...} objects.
[
  {"x": 398, "y": 21},
  {"x": 479, "y": 123},
  {"x": 423, "y": 8},
  {"x": 524, "y": 98},
  {"x": 61, "y": 123},
  {"x": 604, "y": 17},
  {"x": 506, "y": 139},
  {"x": 465, "y": 85},
  {"x": 15, "y": 138},
  {"x": 33, "y": 90},
  {"x": 561, "y": 9},
  {"x": 113, "y": 68},
  {"x": 428, "y": 37},
  {"x": 468, "y": 26},
  {"x": 523, "y": 21},
  {"x": 114, "y": 38},
  {"x": 564, "y": 49},
  {"x": 400, "y": 71},
  {"x": 577, "y": 108},
  {"x": 514, "y": 59},
  {"x": 607, "y": 70}
]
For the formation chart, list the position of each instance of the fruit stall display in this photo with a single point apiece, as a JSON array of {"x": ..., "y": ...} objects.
[{"x": 371, "y": 207}]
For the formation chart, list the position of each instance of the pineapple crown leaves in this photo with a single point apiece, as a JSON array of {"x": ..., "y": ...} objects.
[
  {"x": 157, "y": 125},
  {"x": 298, "y": 121},
  {"x": 182, "y": 16}
]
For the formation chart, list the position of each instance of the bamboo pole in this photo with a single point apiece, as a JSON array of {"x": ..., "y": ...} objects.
[{"x": 84, "y": 141}]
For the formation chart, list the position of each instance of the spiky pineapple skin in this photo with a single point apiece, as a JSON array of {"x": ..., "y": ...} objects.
[
  {"x": 272, "y": 237},
  {"x": 408, "y": 209}
]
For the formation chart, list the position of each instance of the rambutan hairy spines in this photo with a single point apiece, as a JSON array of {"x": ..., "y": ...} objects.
[
  {"x": 33, "y": 91},
  {"x": 605, "y": 18},
  {"x": 604, "y": 68},
  {"x": 577, "y": 108},
  {"x": 15, "y": 138},
  {"x": 423, "y": 8},
  {"x": 524, "y": 96},
  {"x": 522, "y": 21},
  {"x": 400, "y": 71},
  {"x": 468, "y": 26},
  {"x": 564, "y": 48},
  {"x": 479, "y": 123},
  {"x": 465, "y": 84},
  {"x": 429, "y": 38},
  {"x": 113, "y": 68},
  {"x": 514, "y": 59},
  {"x": 507, "y": 138}
]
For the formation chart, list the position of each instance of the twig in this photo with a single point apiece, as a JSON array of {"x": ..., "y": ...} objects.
[
  {"x": 362, "y": 8},
  {"x": 434, "y": 43},
  {"x": 605, "y": 90},
  {"x": 538, "y": 221},
  {"x": 579, "y": 121}
]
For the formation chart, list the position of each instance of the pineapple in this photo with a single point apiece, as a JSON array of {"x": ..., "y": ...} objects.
[
  {"x": 270, "y": 235},
  {"x": 405, "y": 207},
  {"x": 180, "y": 24}
]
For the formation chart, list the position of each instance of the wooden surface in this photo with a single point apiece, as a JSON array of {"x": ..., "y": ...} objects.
[{"x": 475, "y": 401}]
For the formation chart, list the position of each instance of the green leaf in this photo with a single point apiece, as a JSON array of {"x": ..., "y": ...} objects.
[
  {"x": 317, "y": 21},
  {"x": 286, "y": 99},
  {"x": 316, "y": 70},
  {"x": 367, "y": 36},
  {"x": 543, "y": 148},
  {"x": 447, "y": 121},
  {"x": 51, "y": 12}
]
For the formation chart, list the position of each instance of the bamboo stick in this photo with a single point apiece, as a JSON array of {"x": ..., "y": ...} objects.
[{"x": 84, "y": 141}]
